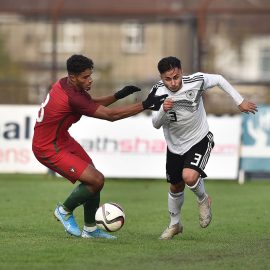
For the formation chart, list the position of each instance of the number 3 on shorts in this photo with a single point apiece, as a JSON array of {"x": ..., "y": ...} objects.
[
  {"x": 197, "y": 159},
  {"x": 41, "y": 111}
]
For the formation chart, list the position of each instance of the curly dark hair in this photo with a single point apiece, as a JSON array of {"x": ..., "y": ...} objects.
[
  {"x": 78, "y": 63},
  {"x": 168, "y": 63}
]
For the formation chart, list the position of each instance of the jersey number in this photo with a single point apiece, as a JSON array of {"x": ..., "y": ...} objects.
[
  {"x": 41, "y": 110},
  {"x": 197, "y": 159},
  {"x": 173, "y": 117}
]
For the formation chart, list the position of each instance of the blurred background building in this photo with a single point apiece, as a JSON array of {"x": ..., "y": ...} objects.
[{"x": 127, "y": 38}]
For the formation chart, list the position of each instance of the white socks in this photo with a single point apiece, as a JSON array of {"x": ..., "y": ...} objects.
[
  {"x": 62, "y": 210},
  {"x": 175, "y": 202},
  {"x": 89, "y": 229},
  {"x": 198, "y": 189}
]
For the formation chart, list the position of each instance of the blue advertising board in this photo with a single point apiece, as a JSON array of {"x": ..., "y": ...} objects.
[{"x": 255, "y": 148}]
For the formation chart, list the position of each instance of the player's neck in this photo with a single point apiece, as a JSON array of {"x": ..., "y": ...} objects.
[{"x": 72, "y": 84}]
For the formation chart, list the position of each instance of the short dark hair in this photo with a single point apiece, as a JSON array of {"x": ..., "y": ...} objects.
[
  {"x": 78, "y": 63},
  {"x": 168, "y": 63}
]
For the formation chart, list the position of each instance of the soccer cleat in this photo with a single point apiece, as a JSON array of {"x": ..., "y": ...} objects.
[
  {"x": 98, "y": 233},
  {"x": 170, "y": 232},
  {"x": 205, "y": 215},
  {"x": 68, "y": 222}
]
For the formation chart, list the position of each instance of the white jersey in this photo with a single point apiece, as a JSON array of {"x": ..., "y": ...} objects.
[{"x": 186, "y": 123}]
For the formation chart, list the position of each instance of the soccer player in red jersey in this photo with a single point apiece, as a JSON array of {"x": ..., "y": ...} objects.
[{"x": 53, "y": 146}]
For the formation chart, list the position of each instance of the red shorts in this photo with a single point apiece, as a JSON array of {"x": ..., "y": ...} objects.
[{"x": 69, "y": 161}]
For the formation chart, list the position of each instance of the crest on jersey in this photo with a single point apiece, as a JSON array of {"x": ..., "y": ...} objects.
[
  {"x": 190, "y": 94},
  {"x": 72, "y": 170}
]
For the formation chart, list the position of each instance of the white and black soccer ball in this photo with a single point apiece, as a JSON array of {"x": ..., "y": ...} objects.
[{"x": 110, "y": 217}]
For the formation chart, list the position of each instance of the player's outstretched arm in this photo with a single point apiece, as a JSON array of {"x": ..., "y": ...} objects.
[
  {"x": 124, "y": 92},
  {"x": 152, "y": 102},
  {"x": 247, "y": 107}
]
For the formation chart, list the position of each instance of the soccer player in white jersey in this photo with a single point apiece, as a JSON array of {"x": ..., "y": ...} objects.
[{"x": 186, "y": 131}]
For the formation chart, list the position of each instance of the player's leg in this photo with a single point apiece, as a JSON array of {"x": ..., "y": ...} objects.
[
  {"x": 74, "y": 164},
  {"x": 193, "y": 173},
  {"x": 92, "y": 181},
  {"x": 195, "y": 183},
  {"x": 64, "y": 163},
  {"x": 82, "y": 193},
  {"x": 175, "y": 202},
  {"x": 203, "y": 199},
  {"x": 87, "y": 193},
  {"x": 175, "y": 195}
]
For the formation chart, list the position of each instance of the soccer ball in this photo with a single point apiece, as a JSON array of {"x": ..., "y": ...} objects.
[{"x": 110, "y": 217}]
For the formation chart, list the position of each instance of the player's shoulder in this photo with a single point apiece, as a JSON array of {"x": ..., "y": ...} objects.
[
  {"x": 57, "y": 91},
  {"x": 59, "y": 87},
  {"x": 159, "y": 84},
  {"x": 198, "y": 76}
]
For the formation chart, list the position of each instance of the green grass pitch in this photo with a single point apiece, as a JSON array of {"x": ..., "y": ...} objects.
[{"x": 238, "y": 237}]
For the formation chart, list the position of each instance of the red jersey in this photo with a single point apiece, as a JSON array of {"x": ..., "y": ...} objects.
[{"x": 64, "y": 106}]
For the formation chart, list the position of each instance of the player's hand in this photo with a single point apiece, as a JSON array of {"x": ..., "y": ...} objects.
[
  {"x": 248, "y": 107},
  {"x": 168, "y": 104},
  {"x": 126, "y": 91},
  {"x": 153, "y": 102}
]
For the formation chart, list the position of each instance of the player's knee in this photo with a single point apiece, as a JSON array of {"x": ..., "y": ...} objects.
[
  {"x": 99, "y": 182},
  {"x": 190, "y": 176},
  {"x": 190, "y": 179},
  {"x": 179, "y": 187}
]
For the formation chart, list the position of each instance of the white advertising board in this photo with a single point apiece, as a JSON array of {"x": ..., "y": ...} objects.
[
  {"x": 129, "y": 148},
  {"x": 16, "y": 131},
  {"x": 224, "y": 159},
  {"x": 126, "y": 148}
]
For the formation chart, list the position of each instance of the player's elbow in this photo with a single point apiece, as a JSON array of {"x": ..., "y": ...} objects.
[
  {"x": 221, "y": 80},
  {"x": 156, "y": 125},
  {"x": 112, "y": 119},
  {"x": 113, "y": 116},
  {"x": 108, "y": 114}
]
